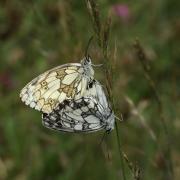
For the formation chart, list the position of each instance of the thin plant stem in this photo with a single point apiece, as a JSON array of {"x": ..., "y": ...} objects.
[
  {"x": 109, "y": 78},
  {"x": 120, "y": 151},
  {"x": 135, "y": 112}
]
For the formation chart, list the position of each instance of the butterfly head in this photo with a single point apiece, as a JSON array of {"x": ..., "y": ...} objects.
[
  {"x": 87, "y": 66},
  {"x": 86, "y": 62}
]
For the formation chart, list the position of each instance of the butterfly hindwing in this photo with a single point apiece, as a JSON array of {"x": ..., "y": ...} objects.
[{"x": 75, "y": 116}]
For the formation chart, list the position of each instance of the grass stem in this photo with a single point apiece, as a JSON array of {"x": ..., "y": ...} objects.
[{"x": 146, "y": 69}]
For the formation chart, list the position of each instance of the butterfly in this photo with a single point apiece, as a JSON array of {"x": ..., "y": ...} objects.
[
  {"x": 86, "y": 114},
  {"x": 65, "y": 82}
]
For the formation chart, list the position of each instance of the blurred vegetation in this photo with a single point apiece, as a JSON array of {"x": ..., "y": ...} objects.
[{"x": 38, "y": 35}]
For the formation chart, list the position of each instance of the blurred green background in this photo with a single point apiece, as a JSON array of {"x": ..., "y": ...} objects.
[{"x": 38, "y": 35}]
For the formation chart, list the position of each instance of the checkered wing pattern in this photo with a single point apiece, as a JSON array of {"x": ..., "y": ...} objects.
[
  {"x": 68, "y": 81},
  {"x": 80, "y": 115}
]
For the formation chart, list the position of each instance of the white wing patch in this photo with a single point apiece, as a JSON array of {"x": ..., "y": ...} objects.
[{"x": 68, "y": 79}]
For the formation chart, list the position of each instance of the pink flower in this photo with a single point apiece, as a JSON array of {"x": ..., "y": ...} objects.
[{"x": 122, "y": 11}]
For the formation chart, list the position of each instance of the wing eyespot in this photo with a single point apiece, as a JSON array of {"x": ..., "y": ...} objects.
[
  {"x": 46, "y": 87},
  {"x": 44, "y": 83},
  {"x": 51, "y": 101}
]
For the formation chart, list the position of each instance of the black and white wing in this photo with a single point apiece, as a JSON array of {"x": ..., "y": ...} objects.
[
  {"x": 81, "y": 115},
  {"x": 87, "y": 114},
  {"x": 96, "y": 91}
]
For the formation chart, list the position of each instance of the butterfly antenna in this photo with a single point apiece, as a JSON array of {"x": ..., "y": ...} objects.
[
  {"x": 87, "y": 47},
  {"x": 97, "y": 65}
]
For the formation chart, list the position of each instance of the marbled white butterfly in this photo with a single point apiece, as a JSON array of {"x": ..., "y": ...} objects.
[{"x": 86, "y": 114}]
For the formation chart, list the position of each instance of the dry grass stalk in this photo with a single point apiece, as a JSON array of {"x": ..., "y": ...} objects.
[
  {"x": 94, "y": 12},
  {"x": 141, "y": 56},
  {"x": 135, "y": 112}
]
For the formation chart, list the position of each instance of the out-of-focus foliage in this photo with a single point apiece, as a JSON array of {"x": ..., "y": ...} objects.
[{"x": 38, "y": 35}]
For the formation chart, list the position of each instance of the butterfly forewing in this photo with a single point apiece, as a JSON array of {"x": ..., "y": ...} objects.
[{"x": 49, "y": 89}]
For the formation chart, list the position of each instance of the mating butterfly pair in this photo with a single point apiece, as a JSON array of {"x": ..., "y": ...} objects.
[{"x": 70, "y": 98}]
